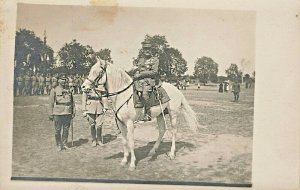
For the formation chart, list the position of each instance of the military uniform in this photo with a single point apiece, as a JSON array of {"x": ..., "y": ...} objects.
[
  {"x": 41, "y": 84},
  {"x": 34, "y": 84},
  {"x": 54, "y": 81},
  {"x": 71, "y": 84},
  {"x": 48, "y": 84},
  {"x": 94, "y": 108},
  {"x": 236, "y": 88},
  {"x": 146, "y": 76},
  {"x": 26, "y": 85},
  {"x": 62, "y": 109},
  {"x": 20, "y": 81}
]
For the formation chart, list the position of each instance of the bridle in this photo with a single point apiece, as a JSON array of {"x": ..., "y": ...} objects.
[{"x": 94, "y": 83}]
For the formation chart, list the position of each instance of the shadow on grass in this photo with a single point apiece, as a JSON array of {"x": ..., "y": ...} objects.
[
  {"x": 78, "y": 142},
  {"x": 142, "y": 152},
  {"x": 108, "y": 138}
]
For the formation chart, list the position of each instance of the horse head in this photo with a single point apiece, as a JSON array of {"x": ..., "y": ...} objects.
[{"x": 97, "y": 75}]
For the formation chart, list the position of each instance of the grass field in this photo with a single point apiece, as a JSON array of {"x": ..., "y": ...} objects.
[{"x": 222, "y": 153}]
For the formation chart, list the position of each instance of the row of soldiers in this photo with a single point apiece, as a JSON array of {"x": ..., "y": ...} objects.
[{"x": 41, "y": 84}]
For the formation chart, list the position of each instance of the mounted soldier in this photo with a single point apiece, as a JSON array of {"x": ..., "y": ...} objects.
[{"x": 145, "y": 74}]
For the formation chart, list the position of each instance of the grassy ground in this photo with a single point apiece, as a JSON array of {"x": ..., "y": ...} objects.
[{"x": 221, "y": 153}]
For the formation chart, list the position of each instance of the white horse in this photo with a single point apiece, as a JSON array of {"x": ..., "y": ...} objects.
[{"x": 119, "y": 86}]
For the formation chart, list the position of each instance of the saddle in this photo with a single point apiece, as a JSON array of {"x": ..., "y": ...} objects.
[{"x": 156, "y": 96}]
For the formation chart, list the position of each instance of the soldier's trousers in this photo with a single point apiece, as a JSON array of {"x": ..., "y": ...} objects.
[
  {"x": 96, "y": 122},
  {"x": 236, "y": 95},
  {"x": 62, "y": 126}
]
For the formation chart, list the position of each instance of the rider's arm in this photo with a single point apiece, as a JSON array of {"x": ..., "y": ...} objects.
[{"x": 151, "y": 72}]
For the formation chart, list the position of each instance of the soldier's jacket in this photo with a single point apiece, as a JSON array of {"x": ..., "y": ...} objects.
[
  {"x": 41, "y": 80},
  {"x": 27, "y": 79},
  {"x": 93, "y": 104},
  {"x": 61, "y": 101},
  {"x": 33, "y": 80},
  {"x": 236, "y": 87},
  {"x": 48, "y": 80},
  {"x": 148, "y": 69},
  {"x": 71, "y": 82},
  {"x": 20, "y": 80}
]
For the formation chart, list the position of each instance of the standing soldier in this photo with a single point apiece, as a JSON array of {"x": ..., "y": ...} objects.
[
  {"x": 42, "y": 84},
  {"x": 77, "y": 82},
  {"x": 48, "y": 83},
  {"x": 34, "y": 84},
  {"x": 146, "y": 74},
  {"x": 94, "y": 108},
  {"x": 71, "y": 83},
  {"x": 20, "y": 81},
  {"x": 54, "y": 81},
  {"x": 26, "y": 85},
  {"x": 236, "y": 88},
  {"x": 62, "y": 110}
]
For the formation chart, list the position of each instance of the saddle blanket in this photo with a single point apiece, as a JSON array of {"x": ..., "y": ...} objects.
[{"x": 154, "y": 97}]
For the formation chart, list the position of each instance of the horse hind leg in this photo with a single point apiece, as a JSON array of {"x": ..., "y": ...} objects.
[
  {"x": 173, "y": 118},
  {"x": 162, "y": 130}
]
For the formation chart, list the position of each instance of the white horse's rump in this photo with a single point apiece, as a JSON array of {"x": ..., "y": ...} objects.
[{"x": 117, "y": 82}]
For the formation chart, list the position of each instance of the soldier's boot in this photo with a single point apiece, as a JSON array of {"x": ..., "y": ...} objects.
[
  {"x": 99, "y": 136},
  {"x": 93, "y": 133},
  {"x": 147, "y": 112}
]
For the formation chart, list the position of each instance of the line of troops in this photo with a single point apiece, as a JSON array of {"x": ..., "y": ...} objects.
[{"x": 41, "y": 84}]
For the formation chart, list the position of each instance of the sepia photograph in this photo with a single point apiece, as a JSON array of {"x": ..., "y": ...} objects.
[{"x": 138, "y": 95}]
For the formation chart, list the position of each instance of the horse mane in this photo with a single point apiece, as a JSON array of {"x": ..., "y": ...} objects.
[{"x": 117, "y": 77}]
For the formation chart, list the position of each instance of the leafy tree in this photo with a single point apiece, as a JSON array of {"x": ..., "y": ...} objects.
[
  {"x": 171, "y": 62},
  {"x": 233, "y": 73},
  {"x": 206, "y": 69},
  {"x": 105, "y": 54},
  {"x": 76, "y": 58},
  {"x": 31, "y": 53}
]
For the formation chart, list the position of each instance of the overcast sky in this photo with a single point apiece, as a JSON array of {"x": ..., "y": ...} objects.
[{"x": 225, "y": 36}]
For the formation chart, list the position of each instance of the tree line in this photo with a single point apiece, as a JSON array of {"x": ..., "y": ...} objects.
[{"x": 32, "y": 54}]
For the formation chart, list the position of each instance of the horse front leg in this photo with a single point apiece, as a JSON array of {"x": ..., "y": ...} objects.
[
  {"x": 130, "y": 137},
  {"x": 162, "y": 130},
  {"x": 124, "y": 142}
]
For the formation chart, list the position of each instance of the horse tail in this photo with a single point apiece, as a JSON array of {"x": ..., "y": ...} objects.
[{"x": 189, "y": 115}]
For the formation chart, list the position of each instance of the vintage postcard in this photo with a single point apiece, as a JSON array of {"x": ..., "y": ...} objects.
[{"x": 197, "y": 131}]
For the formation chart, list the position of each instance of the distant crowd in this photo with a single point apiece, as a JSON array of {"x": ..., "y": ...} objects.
[{"x": 41, "y": 84}]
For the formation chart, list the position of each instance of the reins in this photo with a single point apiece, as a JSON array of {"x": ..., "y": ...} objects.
[{"x": 111, "y": 94}]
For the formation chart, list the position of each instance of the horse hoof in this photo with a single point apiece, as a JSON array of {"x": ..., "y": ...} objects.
[
  {"x": 171, "y": 156},
  {"x": 131, "y": 168}
]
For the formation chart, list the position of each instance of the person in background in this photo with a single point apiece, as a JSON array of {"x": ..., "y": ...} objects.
[
  {"x": 20, "y": 83},
  {"x": 221, "y": 87},
  {"x": 236, "y": 88},
  {"x": 48, "y": 83},
  {"x": 41, "y": 84},
  {"x": 26, "y": 85}
]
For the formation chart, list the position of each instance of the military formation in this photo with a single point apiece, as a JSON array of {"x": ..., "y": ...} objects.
[{"x": 30, "y": 84}]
